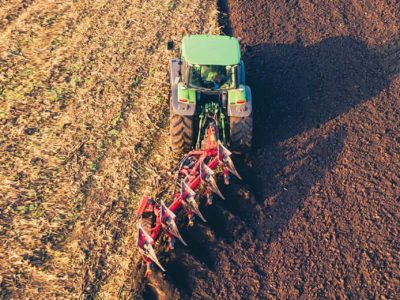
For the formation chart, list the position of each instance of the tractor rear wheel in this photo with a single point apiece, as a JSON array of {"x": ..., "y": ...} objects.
[
  {"x": 181, "y": 130},
  {"x": 241, "y": 132}
]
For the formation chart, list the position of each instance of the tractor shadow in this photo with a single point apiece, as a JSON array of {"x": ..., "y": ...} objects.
[
  {"x": 298, "y": 87},
  {"x": 297, "y": 90}
]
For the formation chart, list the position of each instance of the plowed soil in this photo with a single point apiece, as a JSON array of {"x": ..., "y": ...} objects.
[
  {"x": 326, "y": 79},
  {"x": 84, "y": 122}
]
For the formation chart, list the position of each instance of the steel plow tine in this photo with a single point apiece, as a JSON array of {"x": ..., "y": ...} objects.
[
  {"x": 212, "y": 185},
  {"x": 190, "y": 200},
  {"x": 143, "y": 237},
  {"x": 186, "y": 190},
  {"x": 224, "y": 156},
  {"x": 194, "y": 207},
  {"x": 231, "y": 167},
  {"x": 144, "y": 243},
  {"x": 150, "y": 253},
  {"x": 165, "y": 213},
  {"x": 222, "y": 151},
  {"x": 205, "y": 171},
  {"x": 167, "y": 218},
  {"x": 206, "y": 175},
  {"x": 173, "y": 229}
]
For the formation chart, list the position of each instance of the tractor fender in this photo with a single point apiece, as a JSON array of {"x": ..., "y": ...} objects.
[
  {"x": 183, "y": 109},
  {"x": 242, "y": 110},
  {"x": 178, "y": 108},
  {"x": 175, "y": 70}
]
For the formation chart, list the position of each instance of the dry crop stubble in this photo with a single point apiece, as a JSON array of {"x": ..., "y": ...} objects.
[{"x": 91, "y": 103}]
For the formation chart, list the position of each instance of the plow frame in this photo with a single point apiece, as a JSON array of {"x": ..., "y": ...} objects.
[{"x": 199, "y": 173}]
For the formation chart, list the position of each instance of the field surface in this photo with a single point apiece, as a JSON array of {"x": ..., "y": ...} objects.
[{"x": 84, "y": 132}]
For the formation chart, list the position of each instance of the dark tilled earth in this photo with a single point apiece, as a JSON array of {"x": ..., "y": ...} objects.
[{"x": 317, "y": 215}]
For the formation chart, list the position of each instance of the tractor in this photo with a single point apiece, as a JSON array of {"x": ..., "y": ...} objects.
[{"x": 208, "y": 85}]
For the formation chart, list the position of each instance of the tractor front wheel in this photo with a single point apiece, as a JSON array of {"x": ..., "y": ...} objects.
[
  {"x": 241, "y": 132},
  {"x": 181, "y": 129}
]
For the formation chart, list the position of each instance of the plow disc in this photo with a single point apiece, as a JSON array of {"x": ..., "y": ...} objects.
[{"x": 198, "y": 184}]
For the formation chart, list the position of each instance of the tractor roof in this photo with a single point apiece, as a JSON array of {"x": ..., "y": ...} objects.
[{"x": 211, "y": 50}]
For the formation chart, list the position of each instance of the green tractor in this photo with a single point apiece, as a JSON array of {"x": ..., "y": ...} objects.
[{"x": 208, "y": 85}]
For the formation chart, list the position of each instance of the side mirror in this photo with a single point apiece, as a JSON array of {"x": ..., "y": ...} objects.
[{"x": 170, "y": 45}]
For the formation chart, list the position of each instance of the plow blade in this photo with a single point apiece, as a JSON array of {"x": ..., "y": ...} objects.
[
  {"x": 167, "y": 218},
  {"x": 206, "y": 175},
  {"x": 224, "y": 156},
  {"x": 144, "y": 243},
  {"x": 190, "y": 200}
]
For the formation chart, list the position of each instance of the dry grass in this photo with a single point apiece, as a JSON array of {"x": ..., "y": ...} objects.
[{"x": 84, "y": 117}]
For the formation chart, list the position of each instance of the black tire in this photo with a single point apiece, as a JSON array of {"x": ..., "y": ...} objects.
[
  {"x": 241, "y": 132},
  {"x": 181, "y": 130}
]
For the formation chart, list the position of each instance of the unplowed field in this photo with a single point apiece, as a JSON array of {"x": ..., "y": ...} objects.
[
  {"x": 84, "y": 108},
  {"x": 84, "y": 118}
]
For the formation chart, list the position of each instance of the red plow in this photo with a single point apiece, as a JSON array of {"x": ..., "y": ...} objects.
[{"x": 196, "y": 178}]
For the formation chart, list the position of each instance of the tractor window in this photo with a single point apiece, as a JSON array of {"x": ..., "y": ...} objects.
[{"x": 212, "y": 77}]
